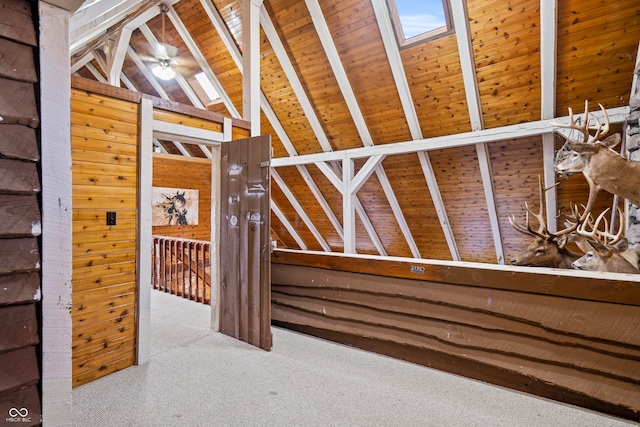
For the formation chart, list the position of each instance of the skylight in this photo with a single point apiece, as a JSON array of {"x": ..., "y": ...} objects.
[
  {"x": 207, "y": 87},
  {"x": 419, "y": 19}
]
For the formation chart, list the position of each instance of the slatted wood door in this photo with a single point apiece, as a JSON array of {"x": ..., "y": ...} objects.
[{"x": 245, "y": 269}]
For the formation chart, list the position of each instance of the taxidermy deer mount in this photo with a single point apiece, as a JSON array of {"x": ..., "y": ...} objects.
[
  {"x": 546, "y": 249},
  {"x": 602, "y": 167}
]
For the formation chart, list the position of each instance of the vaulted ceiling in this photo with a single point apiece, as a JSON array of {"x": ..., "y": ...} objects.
[{"x": 416, "y": 151}]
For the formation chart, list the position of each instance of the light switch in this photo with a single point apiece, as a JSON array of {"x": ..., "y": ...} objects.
[{"x": 111, "y": 218}]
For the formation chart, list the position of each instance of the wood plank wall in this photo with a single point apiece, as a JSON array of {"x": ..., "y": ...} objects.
[
  {"x": 104, "y": 151},
  {"x": 185, "y": 173},
  {"x": 573, "y": 339},
  {"x": 20, "y": 227}
]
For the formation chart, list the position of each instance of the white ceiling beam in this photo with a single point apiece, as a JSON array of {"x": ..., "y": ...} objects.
[
  {"x": 304, "y": 172},
  {"x": 77, "y": 65},
  {"x": 93, "y": 70},
  {"x": 395, "y": 61},
  {"x": 83, "y": 30},
  {"x": 99, "y": 11},
  {"x": 521, "y": 130},
  {"x": 467, "y": 63},
  {"x": 364, "y": 173},
  {"x": 292, "y": 231},
  {"x": 548, "y": 55},
  {"x": 397, "y": 211},
  {"x": 348, "y": 208},
  {"x": 202, "y": 61},
  {"x": 299, "y": 210},
  {"x": 489, "y": 194},
  {"x": 294, "y": 81},
  {"x": 182, "y": 82},
  {"x": 438, "y": 203},
  {"x": 117, "y": 54},
  {"x": 223, "y": 31},
  {"x": 331, "y": 176},
  {"x": 329, "y": 46},
  {"x": 251, "y": 64}
]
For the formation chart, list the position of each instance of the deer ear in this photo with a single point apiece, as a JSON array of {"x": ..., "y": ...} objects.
[
  {"x": 612, "y": 141},
  {"x": 583, "y": 147},
  {"x": 562, "y": 242},
  {"x": 600, "y": 249},
  {"x": 622, "y": 245}
]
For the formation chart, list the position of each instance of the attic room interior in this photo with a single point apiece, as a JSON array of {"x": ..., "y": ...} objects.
[{"x": 462, "y": 196}]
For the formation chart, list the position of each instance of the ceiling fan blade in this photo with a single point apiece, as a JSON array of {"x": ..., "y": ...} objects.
[{"x": 164, "y": 50}]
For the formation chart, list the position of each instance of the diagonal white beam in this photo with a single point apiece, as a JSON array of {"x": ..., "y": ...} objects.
[
  {"x": 338, "y": 70},
  {"x": 81, "y": 62},
  {"x": 152, "y": 80},
  {"x": 548, "y": 53},
  {"x": 321, "y": 200},
  {"x": 331, "y": 176},
  {"x": 182, "y": 82},
  {"x": 292, "y": 231},
  {"x": 397, "y": 211},
  {"x": 294, "y": 81},
  {"x": 96, "y": 73},
  {"x": 489, "y": 194},
  {"x": 202, "y": 61},
  {"x": 365, "y": 172},
  {"x": 299, "y": 210},
  {"x": 395, "y": 61},
  {"x": 117, "y": 55},
  {"x": 223, "y": 31},
  {"x": 438, "y": 203},
  {"x": 86, "y": 26}
]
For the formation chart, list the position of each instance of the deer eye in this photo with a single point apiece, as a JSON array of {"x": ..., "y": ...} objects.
[
  {"x": 574, "y": 155},
  {"x": 539, "y": 251}
]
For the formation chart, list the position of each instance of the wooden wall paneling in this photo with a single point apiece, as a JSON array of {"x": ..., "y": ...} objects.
[
  {"x": 181, "y": 172},
  {"x": 19, "y": 255},
  {"x": 435, "y": 80},
  {"x": 284, "y": 238},
  {"x": 104, "y": 150},
  {"x": 458, "y": 174},
  {"x": 365, "y": 61},
  {"x": 516, "y": 165},
  {"x": 295, "y": 28},
  {"x": 18, "y": 327},
  {"x": 506, "y": 44},
  {"x": 298, "y": 186},
  {"x": 595, "y": 40},
  {"x": 282, "y": 99},
  {"x": 410, "y": 187},
  {"x": 19, "y": 177},
  {"x": 18, "y": 62},
  {"x": 290, "y": 213},
  {"x": 212, "y": 47}
]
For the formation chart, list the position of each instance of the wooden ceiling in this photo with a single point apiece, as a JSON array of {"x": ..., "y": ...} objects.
[{"x": 463, "y": 117}]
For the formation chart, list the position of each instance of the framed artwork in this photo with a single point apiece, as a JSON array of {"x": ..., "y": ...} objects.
[{"x": 174, "y": 206}]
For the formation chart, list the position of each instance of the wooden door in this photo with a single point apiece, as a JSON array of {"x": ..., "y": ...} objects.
[{"x": 245, "y": 268}]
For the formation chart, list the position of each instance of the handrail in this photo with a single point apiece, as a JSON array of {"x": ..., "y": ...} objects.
[{"x": 182, "y": 267}]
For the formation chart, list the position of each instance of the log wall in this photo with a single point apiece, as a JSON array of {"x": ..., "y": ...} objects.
[
  {"x": 573, "y": 339},
  {"x": 20, "y": 211},
  {"x": 185, "y": 173}
]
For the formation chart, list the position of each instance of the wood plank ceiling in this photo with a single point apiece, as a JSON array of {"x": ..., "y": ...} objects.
[{"x": 475, "y": 102}]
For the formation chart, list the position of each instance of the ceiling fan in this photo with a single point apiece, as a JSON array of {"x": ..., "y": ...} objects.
[{"x": 164, "y": 53}]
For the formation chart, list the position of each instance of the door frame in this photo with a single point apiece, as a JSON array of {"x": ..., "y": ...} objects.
[{"x": 150, "y": 129}]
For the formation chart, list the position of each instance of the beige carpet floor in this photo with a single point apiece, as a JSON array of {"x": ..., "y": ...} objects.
[{"x": 200, "y": 378}]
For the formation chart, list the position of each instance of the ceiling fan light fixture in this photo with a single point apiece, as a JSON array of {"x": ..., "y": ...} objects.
[{"x": 163, "y": 71}]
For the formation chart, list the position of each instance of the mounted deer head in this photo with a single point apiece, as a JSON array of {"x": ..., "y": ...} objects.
[
  {"x": 608, "y": 251},
  {"x": 602, "y": 167},
  {"x": 547, "y": 249}
]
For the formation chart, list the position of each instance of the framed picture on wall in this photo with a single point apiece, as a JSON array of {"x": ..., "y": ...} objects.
[{"x": 174, "y": 206}]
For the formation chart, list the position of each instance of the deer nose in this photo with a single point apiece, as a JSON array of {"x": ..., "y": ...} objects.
[{"x": 513, "y": 261}]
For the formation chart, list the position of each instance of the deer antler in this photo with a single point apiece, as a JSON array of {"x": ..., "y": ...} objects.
[
  {"x": 542, "y": 232},
  {"x": 601, "y": 128},
  {"x": 604, "y": 237}
]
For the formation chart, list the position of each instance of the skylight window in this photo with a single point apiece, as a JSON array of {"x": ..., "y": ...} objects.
[
  {"x": 417, "y": 20},
  {"x": 207, "y": 87}
]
